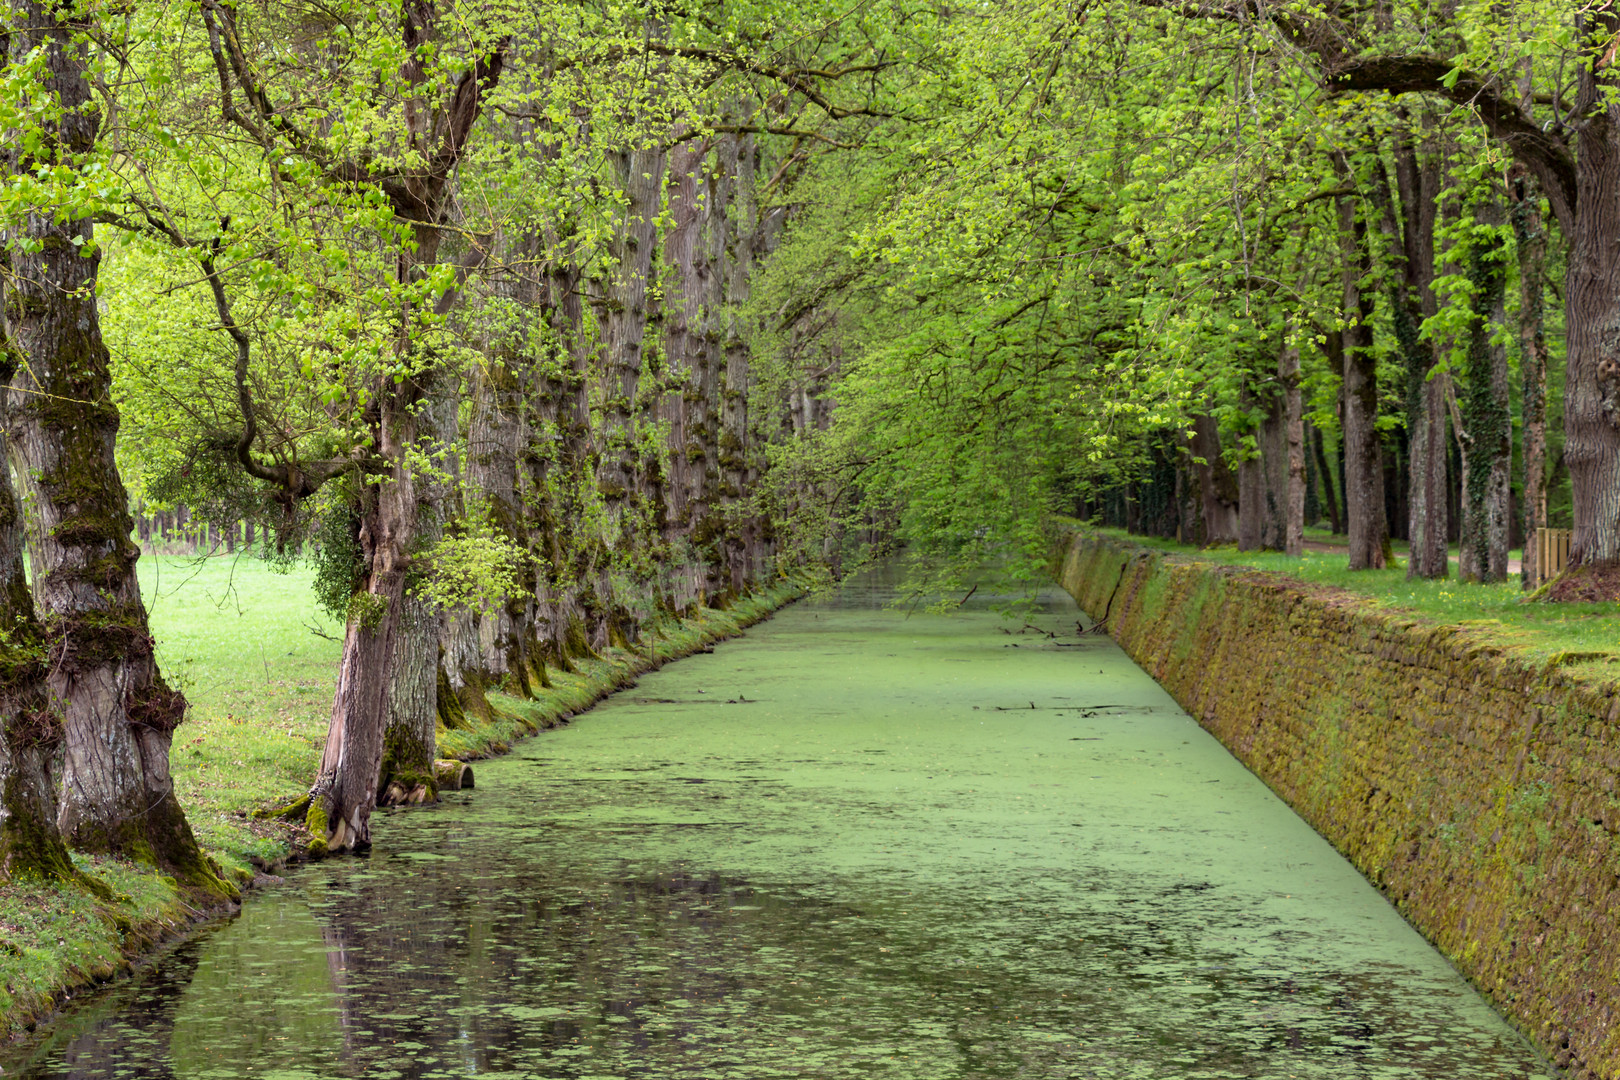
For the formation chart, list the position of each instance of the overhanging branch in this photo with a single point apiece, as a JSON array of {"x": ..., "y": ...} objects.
[{"x": 1543, "y": 152}]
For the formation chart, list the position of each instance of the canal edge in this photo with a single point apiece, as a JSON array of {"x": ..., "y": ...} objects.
[{"x": 1474, "y": 788}]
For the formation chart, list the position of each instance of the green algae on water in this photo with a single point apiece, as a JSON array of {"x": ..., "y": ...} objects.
[{"x": 849, "y": 844}]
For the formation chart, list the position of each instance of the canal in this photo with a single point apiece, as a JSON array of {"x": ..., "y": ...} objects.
[{"x": 848, "y": 844}]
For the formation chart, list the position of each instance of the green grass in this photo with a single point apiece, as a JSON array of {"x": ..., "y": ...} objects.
[
  {"x": 235, "y": 637},
  {"x": 55, "y": 937},
  {"x": 1583, "y": 638},
  {"x": 246, "y": 645},
  {"x": 258, "y": 664}
]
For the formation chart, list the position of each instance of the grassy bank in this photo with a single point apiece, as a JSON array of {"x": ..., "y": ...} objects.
[
  {"x": 1582, "y": 638},
  {"x": 257, "y": 661}
]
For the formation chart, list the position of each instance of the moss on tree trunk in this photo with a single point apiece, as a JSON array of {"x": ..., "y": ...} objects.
[{"x": 118, "y": 714}]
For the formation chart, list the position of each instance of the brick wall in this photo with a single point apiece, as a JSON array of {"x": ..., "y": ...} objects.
[{"x": 1476, "y": 790}]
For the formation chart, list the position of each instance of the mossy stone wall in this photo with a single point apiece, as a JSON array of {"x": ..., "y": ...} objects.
[{"x": 1476, "y": 790}]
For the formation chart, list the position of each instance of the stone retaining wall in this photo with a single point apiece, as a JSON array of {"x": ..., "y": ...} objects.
[{"x": 1476, "y": 790}]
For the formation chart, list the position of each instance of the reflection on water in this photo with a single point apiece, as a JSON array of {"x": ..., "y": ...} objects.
[{"x": 850, "y": 844}]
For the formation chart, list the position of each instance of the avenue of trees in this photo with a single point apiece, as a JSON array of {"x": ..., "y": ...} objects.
[
  {"x": 1219, "y": 270},
  {"x": 451, "y": 295},
  {"x": 537, "y": 322}
]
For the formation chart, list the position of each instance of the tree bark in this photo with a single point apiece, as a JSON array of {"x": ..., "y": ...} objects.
[
  {"x": 1293, "y": 543},
  {"x": 465, "y": 665},
  {"x": 410, "y": 744},
  {"x": 560, "y": 465},
  {"x": 692, "y": 303},
  {"x": 1251, "y": 493},
  {"x": 1531, "y": 242},
  {"x": 118, "y": 714},
  {"x": 1364, "y": 473},
  {"x": 1417, "y": 181},
  {"x": 736, "y": 467},
  {"x": 389, "y": 635},
  {"x": 1428, "y": 520},
  {"x": 1592, "y": 319},
  {"x": 1274, "y": 463},
  {"x": 31, "y": 845},
  {"x": 703, "y": 404},
  {"x": 1217, "y": 488},
  {"x": 345, "y": 788},
  {"x": 1485, "y": 430},
  {"x": 496, "y": 433},
  {"x": 1255, "y": 501},
  {"x": 624, "y": 530},
  {"x": 409, "y": 738}
]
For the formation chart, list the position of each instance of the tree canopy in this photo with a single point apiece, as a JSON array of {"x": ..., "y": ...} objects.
[{"x": 533, "y": 324}]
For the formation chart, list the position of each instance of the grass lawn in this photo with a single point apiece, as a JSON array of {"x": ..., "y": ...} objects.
[
  {"x": 258, "y": 663},
  {"x": 236, "y": 637},
  {"x": 241, "y": 640},
  {"x": 1583, "y": 638}
]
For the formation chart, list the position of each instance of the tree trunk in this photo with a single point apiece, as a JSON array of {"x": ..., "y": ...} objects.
[
  {"x": 560, "y": 465},
  {"x": 1251, "y": 492},
  {"x": 1411, "y": 301},
  {"x": 464, "y": 665},
  {"x": 1485, "y": 430},
  {"x": 1293, "y": 543},
  {"x": 118, "y": 714},
  {"x": 735, "y": 465},
  {"x": 496, "y": 434},
  {"x": 1324, "y": 477},
  {"x": 703, "y": 405},
  {"x": 1426, "y": 417},
  {"x": 1274, "y": 473},
  {"x": 1592, "y": 319},
  {"x": 1253, "y": 472},
  {"x": 391, "y": 637},
  {"x": 30, "y": 729},
  {"x": 345, "y": 788},
  {"x": 1531, "y": 241},
  {"x": 1364, "y": 473},
  {"x": 409, "y": 740},
  {"x": 624, "y": 530},
  {"x": 1217, "y": 488},
  {"x": 691, "y": 304},
  {"x": 409, "y": 743}
]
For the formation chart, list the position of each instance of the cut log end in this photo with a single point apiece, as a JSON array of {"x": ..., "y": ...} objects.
[{"x": 453, "y": 775}]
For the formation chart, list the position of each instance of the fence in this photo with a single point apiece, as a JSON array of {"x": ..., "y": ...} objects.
[{"x": 1552, "y": 553}]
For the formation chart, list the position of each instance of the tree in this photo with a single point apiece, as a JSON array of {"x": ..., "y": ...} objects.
[
  {"x": 30, "y": 726},
  {"x": 118, "y": 713},
  {"x": 1578, "y": 169},
  {"x": 1530, "y": 242}
]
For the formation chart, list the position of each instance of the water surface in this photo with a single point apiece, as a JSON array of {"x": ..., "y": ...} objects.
[{"x": 849, "y": 844}]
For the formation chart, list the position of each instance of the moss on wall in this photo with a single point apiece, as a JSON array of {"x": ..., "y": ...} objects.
[{"x": 1479, "y": 791}]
